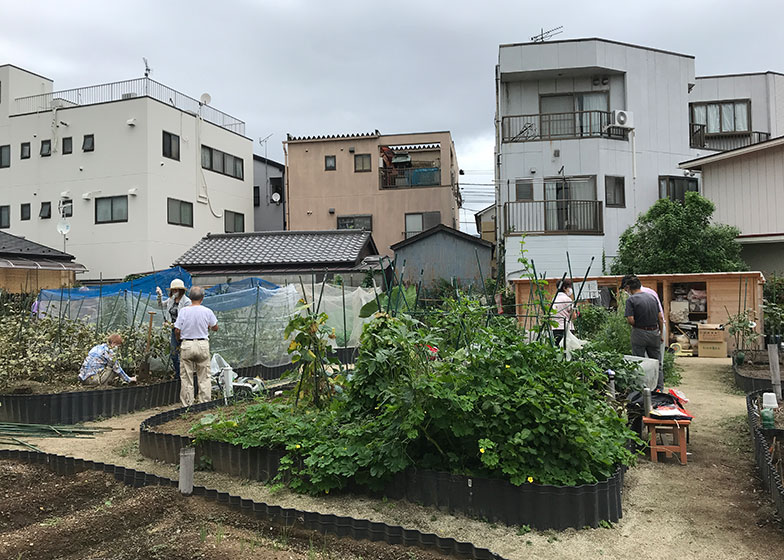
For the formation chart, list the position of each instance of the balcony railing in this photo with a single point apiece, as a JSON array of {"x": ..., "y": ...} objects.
[
  {"x": 129, "y": 89},
  {"x": 700, "y": 138},
  {"x": 560, "y": 126},
  {"x": 580, "y": 217},
  {"x": 396, "y": 178}
]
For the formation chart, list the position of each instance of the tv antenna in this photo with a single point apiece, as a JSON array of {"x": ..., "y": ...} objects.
[
  {"x": 545, "y": 35},
  {"x": 147, "y": 69}
]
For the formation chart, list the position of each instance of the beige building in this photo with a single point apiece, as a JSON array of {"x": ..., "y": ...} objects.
[
  {"x": 395, "y": 185},
  {"x": 747, "y": 187}
]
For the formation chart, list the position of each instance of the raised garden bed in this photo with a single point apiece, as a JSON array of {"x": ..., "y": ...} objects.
[
  {"x": 754, "y": 373},
  {"x": 763, "y": 452},
  {"x": 539, "y": 506},
  {"x": 358, "y": 529},
  {"x": 82, "y": 406}
]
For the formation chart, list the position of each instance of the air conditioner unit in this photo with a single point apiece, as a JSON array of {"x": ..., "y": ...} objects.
[
  {"x": 623, "y": 119},
  {"x": 128, "y": 95}
]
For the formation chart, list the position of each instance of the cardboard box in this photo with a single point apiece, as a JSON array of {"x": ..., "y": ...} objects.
[
  {"x": 712, "y": 349},
  {"x": 711, "y": 333}
]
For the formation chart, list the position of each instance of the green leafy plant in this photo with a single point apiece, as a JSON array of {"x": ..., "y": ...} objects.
[
  {"x": 742, "y": 328},
  {"x": 398, "y": 299},
  {"x": 309, "y": 350}
]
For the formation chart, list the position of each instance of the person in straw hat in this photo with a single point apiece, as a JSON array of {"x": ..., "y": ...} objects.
[{"x": 172, "y": 306}]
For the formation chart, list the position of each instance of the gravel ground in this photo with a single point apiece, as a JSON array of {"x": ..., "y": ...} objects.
[{"x": 712, "y": 508}]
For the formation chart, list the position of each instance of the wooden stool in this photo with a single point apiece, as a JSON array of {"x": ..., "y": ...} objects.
[{"x": 675, "y": 427}]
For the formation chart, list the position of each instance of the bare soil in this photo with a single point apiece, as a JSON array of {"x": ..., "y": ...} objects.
[
  {"x": 90, "y": 516},
  {"x": 712, "y": 508},
  {"x": 27, "y": 387}
]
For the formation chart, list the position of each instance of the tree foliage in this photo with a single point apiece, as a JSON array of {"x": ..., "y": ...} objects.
[{"x": 678, "y": 238}]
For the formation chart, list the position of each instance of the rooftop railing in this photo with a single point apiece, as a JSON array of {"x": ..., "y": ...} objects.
[
  {"x": 560, "y": 126},
  {"x": 579, "y": 217},
  {"x": 700, "y": 138},
  {"x": 120, "y": 91}
]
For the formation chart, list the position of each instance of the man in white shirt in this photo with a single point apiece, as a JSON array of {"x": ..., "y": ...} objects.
[{"x": 192, "y": 328}]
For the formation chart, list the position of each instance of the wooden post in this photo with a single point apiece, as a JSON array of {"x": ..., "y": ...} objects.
[
  {"x": 775, "y": 372},
  {"x": 187, "y": 457}
]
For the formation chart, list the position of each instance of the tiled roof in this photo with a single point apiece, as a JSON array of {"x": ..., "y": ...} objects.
[
  {"x": 12, "y": 245},
  {"x": 278, "y": 248},
  {"x": 291, "y": 138}
]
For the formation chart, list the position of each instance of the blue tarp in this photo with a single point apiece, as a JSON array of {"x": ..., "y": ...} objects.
[
  {"x": 145, "y": 285},
  {"x": 240, "y": 285}
]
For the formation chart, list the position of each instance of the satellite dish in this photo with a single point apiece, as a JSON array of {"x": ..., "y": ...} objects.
[
  {"x": 63, "y": 227},
  {"x": 205, "y": 99},
  {"x": 275, "y": 197}
]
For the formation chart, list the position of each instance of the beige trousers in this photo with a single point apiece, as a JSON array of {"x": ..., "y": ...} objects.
[
  {"x": 100, "y": 379},
  {"x": 195, "y": 359}
]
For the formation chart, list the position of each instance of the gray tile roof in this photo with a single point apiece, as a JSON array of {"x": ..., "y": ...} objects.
[
  {"x": 15, "y": 246},
  {"x": 278, "y": 248}
]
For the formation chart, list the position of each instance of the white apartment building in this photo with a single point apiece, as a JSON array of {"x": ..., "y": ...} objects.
[
  {"x": 590, "y": 132},
  {"x": 134, "y": 172}
]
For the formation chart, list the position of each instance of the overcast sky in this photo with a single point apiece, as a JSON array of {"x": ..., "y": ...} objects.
[{"x": 331, "y": 66}]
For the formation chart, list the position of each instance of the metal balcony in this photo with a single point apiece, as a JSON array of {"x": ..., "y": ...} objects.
[
  {"x": 560, "y": 126},
  {"x": 397, "y": 178},
  {"x": 701, "y": 139},
  {"x": 573, "y": 217},
  {"x": 120, "y": 91}
]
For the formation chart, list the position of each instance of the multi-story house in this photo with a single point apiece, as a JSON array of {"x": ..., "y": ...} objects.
[
  {"x": 269, "y": 201},
  {"x": 589, "y": 134},
  {"x": 395, "y": 185},
  {"x": 125, "y": 176}
]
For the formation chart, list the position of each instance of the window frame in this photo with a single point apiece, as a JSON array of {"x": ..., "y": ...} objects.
[
  {"x": 615, "y": 203},
  {"x": 48, "y": 151},
  {"x": 69, "y": 149},
  {"x": 65, "y": 207},
  {"x": 5, "y": 149},
  {"x": 354, "y": 217},
  {"x": 256, "y": 196},
  {"x": 25, "y": 206},
  {"x": 22, "y": 147},
  {"x": 112, "y": 219},
  {"x": 45, "y": 213},
  {"x": 408, "y": 234},
  {"x": 180, "y": 204},
  {"x": 237, "y": 164},
  {"x": 670, "y": 180},
  {"x": 520, "y": 182},
  {"x": 88, "y": 146},
  {"x": 719, "y": 104},
  {"x": 369, "y": 160},
  {"x": 5, "y": 223},
  {"x": 334, "y": 163},
  {"x": 173, "y": 153},
  {"x": 234, "y": 216}
]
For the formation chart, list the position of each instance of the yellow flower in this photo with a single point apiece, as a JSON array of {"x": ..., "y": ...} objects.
[
  {"x": 508, "y": 366},
  {"x": 481, "y": 450},
  {"x": 530, "y": 479},
  {"x": 293, "y": 345},
  {"x": 297, "y": 446}
]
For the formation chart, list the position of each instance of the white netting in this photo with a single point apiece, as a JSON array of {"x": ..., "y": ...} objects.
[{"x": 251, "y": 321}]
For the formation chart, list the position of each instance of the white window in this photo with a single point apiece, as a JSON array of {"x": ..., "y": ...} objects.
[
  {"x": 223, "y": 163},
  {"x": 171, "y": 145},
  {"x": 88, "y": 143},
  {"x": 356, "y": 222},
  {"x": 46, "y": 211},
  {"x": 5, "y": 216},
  {"x": 5, "y": 156},
  {"x": 614, "y": 192},
  {"x": 46, "y": 148},
  {"x": 524, "y": 189},
  {"x": 419, "y": 222},
  {"x": 330, "y": 163},
  {"x": 361, "y": 163},
  {"x": 723, "y": 117},
  {"x": 67, "y": 145},
  {"x": 25, "y": 151}
]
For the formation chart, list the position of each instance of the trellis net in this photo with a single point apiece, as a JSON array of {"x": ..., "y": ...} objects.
[{"x": 251, "y": 319}]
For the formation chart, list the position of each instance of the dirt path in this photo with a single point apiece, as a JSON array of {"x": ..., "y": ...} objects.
[{"x": 713, "y": 508}]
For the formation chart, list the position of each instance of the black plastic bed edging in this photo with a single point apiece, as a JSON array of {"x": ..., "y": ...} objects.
[
  {"x": 539, "y": 506},
  {"x": 749, "y": 384},
  {"x": 768, "y": 472},
  {"x": 357, "y": 529},
  {"x": 82, "y": 406}
]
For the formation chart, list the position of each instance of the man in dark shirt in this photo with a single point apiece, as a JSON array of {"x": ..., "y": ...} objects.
[{"x": 642, "y": 313}]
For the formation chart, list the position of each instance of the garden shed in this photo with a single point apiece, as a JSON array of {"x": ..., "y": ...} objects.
[
  {"x": 27, "y": 267},
  {"x": 442, "y": 252},
  {"x": 687, "y": 299}
]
